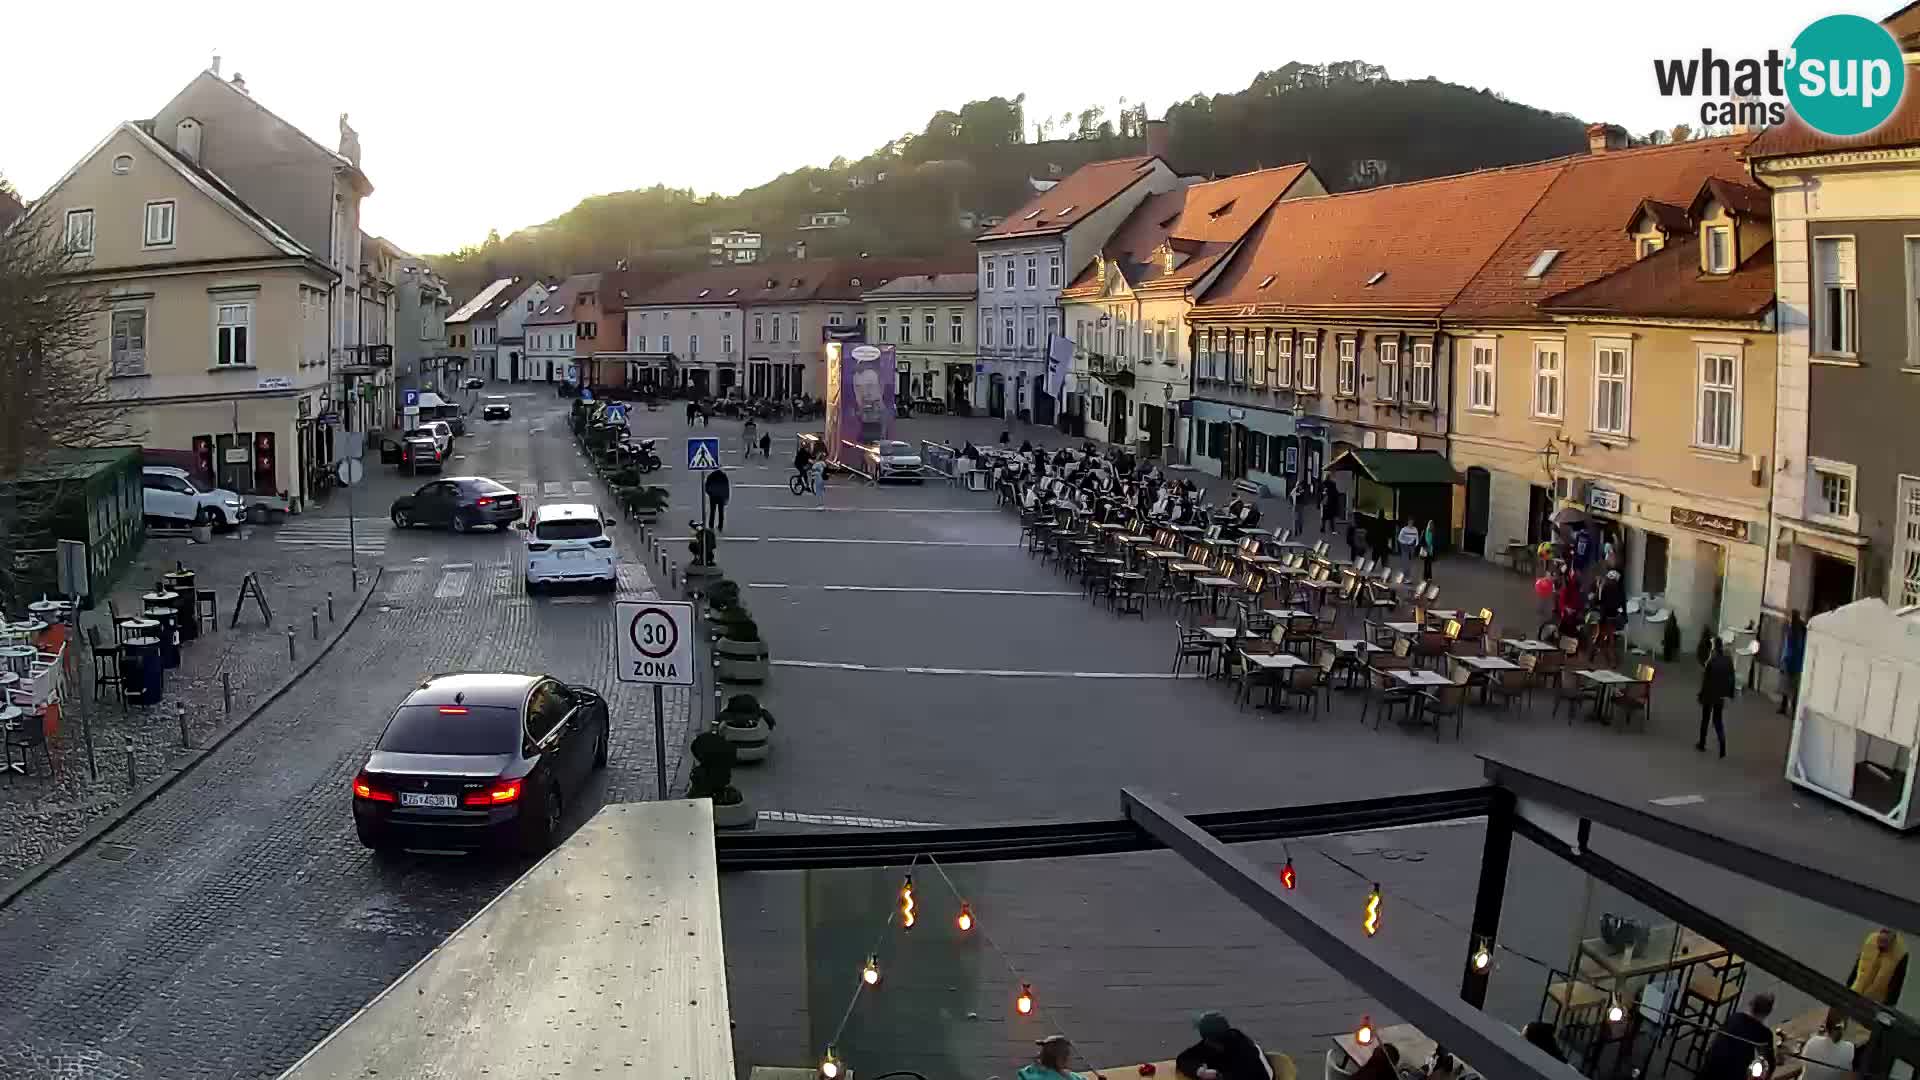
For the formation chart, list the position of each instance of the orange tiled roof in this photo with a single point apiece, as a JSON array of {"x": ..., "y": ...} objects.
[
  {"x": 1202, "y": 221},
  {"x": 1795, "y": 137},
  {"x": 1579, "y": 216},
  {"x": 557, "y": 308},
  {"x": 1425, "y": 238},
  {"x": 1669, "y": 284},
  {"x": 792, "y": 282},
  {"x": 1066, "y": 203}
]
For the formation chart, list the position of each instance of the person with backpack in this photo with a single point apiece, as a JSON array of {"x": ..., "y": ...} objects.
[{"x": 718, "y": 489}]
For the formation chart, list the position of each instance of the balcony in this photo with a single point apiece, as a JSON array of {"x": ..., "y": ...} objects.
[{"x": 1112, "y": 370}]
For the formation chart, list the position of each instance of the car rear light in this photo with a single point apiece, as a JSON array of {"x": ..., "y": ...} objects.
[
  {"x": 483, "y": 501},
  {"x": 500, "y": 793},
  {"x": 603, "y": 542},
  {"x": 454, "y": 710},
  {"x": 363, "y": 788},
  {"x": 538, "y": 547}
]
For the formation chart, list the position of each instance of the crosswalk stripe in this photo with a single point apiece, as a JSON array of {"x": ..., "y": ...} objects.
[
  {"x": 553, "y": 488},
  {"x": 453, "y": 583}
]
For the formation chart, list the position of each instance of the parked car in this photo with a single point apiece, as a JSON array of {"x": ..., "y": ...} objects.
[
  {"x": 172, "y": 494},
  {"x": 496, "y": 408},
  {"x": 437, "y": 431},
  {"x": 474, "y": 382},
  {"x": 459, "y": 503},
  {"x": 894, "y": 460},
  {"x": 420, "y": 452},
  {"x": 476, "y": 761},
  {"x": 568, "y": 542}
]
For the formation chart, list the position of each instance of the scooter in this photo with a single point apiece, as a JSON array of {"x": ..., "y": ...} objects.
[{"x": 646, "y": 458}]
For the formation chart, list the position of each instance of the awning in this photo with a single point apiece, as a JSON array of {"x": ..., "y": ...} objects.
[{"x": 1398, "y": 468}]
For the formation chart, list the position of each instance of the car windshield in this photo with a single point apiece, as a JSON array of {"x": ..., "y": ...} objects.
[
  {"x": 420, "y": 433},
  {"x": 195, "y": 483},
  {"x": 567, "y": 529},
  {"x": 484, "y": 486},
  {"x": 452, "y": 729},
  {"x": 496, "y": 401},
  {"x": 895, "y": 449}
]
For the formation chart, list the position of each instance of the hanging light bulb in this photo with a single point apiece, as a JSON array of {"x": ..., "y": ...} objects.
[
  {"x": 830, "y": 1065},
  {"x": 965, "y": 919},
  {"x": 1482, "y": 957},
  {"x": 1371, "y": 923},
  {"x": 906, "y": 903},
  {"x": 870, "y": 974},
  {"x": 1615, "y": 1013},
  {"x": 1364, "y": 1033},
  {"x": 1758, "y": 1067},
  {"x": 1287, "y": 879},
  {"x": 1024, "y": 1003}
]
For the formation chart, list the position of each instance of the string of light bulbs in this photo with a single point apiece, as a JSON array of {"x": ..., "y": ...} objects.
[{"x": 1481, "y": 962}]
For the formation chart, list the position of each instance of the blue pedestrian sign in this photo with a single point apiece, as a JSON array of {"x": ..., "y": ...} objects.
[
  {"x": 586, "y": 395},
  {"x": 703, "y": 453}
]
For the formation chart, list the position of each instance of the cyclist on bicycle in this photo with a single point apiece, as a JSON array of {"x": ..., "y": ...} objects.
[{"x": 802, "y": 469}]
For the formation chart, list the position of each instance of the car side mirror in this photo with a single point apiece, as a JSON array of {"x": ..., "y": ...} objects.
[
  {"x": 521, "y": 525},
  {"x": 609, "y": 522}
]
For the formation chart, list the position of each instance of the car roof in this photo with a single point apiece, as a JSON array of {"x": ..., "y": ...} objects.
[
  {"x": 507, "y": 689},
  {"x": 556, "y": 511},
  {"x": 170, "y": 470}
]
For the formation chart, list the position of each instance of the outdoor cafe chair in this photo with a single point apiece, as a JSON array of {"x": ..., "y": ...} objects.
[
  {"x": 1444, "y": 701},
  {"x": 1573, "y": 692},
  {"x": 27, "y": 734},
  {"x": 1398, "y": 579},
  {"x": 1433, "y": 645},
  {"x": 106, "y": 666},
  {"x": 1303, "y": 685},
  {"x": 1503, "y": 688},
  {"x": 1634, "y": 698},
  {"x": 1385, "y": 694},
  {"x": 1432, "y": 594}
]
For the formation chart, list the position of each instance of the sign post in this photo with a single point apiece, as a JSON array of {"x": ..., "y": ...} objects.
[
  {"x": 703, "y": 455},
  {"x": 654, "y": 644}
]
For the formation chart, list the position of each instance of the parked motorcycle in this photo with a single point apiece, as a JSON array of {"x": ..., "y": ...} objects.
[{"x": 645, "y": 457}]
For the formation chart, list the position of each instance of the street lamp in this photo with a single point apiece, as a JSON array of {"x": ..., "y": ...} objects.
[{"x": 1549, "y": 457}]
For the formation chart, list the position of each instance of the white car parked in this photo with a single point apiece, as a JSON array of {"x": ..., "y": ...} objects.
[
  {"x": 172, "y": 493},
  {"x": 569, "y": 542},
  {"x": 894, "y": 460}
]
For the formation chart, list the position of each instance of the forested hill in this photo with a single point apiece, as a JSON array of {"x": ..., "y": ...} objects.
[{"x": 1357, "y": 126}]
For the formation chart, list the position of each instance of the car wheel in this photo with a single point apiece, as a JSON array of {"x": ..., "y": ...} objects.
[
  {"x": 532, "y": 586},
  {"x": 547, "y": 832},
  {"x": 600, "y": 749},
  {"x": 207, "y": 516},
  {"x": 400, "y": 518},
  {"x": 460, "y": 522}
]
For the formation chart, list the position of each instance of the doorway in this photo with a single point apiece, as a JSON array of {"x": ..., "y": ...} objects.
[
  {"x": 997, "y": 396},
  {"x": 1150, "y": 421},
  {"x": 1539, "y": 511},
  {"x": 513, "y": 366},
  {"x": 1832, "y": 584},
  {"x": 1709, "y": 581},
  {"x": 1479, "y": 497},
  {"x": 1117, "y": 410}
]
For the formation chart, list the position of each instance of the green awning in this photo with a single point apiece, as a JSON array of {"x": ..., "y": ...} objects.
[{"x": 1398, "y": 468}]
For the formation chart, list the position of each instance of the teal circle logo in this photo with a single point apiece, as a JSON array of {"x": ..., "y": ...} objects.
[{"x": 1847, "y": 76}]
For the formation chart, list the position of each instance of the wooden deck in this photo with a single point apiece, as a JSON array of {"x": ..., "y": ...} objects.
[{"x": 605, "y": 959}]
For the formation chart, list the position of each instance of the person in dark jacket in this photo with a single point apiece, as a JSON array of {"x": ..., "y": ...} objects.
[
  {"x": 1224, "y": 1052},
  {"x": 718, "y": 489},
  {"x": 1746, "y": 1036},
  {"x": 1793, "y": 654},
  {"x": 1716, "y": 686}
]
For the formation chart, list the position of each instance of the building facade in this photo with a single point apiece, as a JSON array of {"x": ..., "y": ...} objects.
[
  {"x": 368, "y": 374},
  {"x": 1846, "y": 482},
  {"x": 508, "y": 316},
  {"x": 1126, "y": 313},
  {"x": 735, "y": 247},
  {"x": 928, "y": 319},
  {"x": 475, "y": 321},
  {"x": 422, "y": 302},
  {"x": 1024, "y": 264},
  {"x": 554, "y": 330}
]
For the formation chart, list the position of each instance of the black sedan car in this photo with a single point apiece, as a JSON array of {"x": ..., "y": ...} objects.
[
  {"x": 474, "y": 382},
  {"x": 459, "y": 503},
  {"x": 480, "y": 761},
  {"x": 496, "y": 408}
]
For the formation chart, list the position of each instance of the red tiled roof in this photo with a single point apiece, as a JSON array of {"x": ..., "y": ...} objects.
[
  {"x": 1580, "y": 216},
  {"x": 618, "y": 288},
  {"x": 1742, "y": 200},
  {"x": 1202, "y": 221},
  {"x": 1426, "y": 237},
  {"x": 1669, "y": 284},
  {"x": 1672, "y": 218},
  {"x": 1904, "y": 25},
  {"x": 1066, "y": 203},
  {"x": 1795, "y": 137},
  {"x": 557, "y": 308},
  {"x": 791, "y": 282}
]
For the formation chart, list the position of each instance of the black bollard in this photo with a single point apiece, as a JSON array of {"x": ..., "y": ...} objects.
[
  {"x": 316, "y": 622},
  {"x": 132, "y": 777},
  {"x": 329, "y": 605},
  {"x": 180, "y": 713},
  {"x": 290, "y": 656},
  {"x": 226, "y": 691}
]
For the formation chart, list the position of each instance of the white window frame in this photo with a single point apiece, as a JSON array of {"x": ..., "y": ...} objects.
[
  {"x": 986, "y": 273},
  {"x": 1913, "y": 301},
  {"x": 693, "y": 346},
  {"x": 78, "y": 223},
  {"x": 1053, "y": 270},
  {"x": 1282, "y": 360},
  {"x": 1257, "y": 359},
  {"x": 170, "y": 217},
  {"x": 930, "y": 322},
  {"x": 759, "y": 328},
  {"x": 1346, "y": 373},
  {"x": 240, "y": 346},
  {"x": 1309, "y": 380},
  {"x": 906, "y": 326},
  {"x": 1647, "y": 245},
  {"x": 956, "y": 328},
  {"x": 1724, "y": 233},
  {"x": 666, "y": 343},
  {"x": 1483, "y": 380},
  {"x": 1052, "y": 326},
  {"x": 1848, "y": 287},
  {"x": 1006, "y": 328},
  {"x": 1425, "y": 382},
  {"x": 880, "y": 329},
  {"x": 1622, "y": 426},
  {"x": 1903, "y": 579},
  {"x": 118, "y": 367},
  {"x": 1237, "y": 363},
  {"x": 1033, "y": 271},
  {"x": 986, "y": 330},
  {"x": 1556, "y": 377},
  {"x": 1818, "y": 468},
  {"x": 1030, "y": 328},
  {"x": 1386, "y": 364},
  {"x": 1706, "y": 353},
  {"x": 726, "y": 345}
]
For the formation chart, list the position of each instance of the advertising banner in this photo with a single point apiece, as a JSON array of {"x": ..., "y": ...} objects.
[{"x": 860, "y": 398}]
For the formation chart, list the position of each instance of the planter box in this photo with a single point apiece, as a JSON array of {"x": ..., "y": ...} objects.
[
  {"x": 740, "y": 815},
  {"x": 752, "y": 743},
  {"x": 741, "y": 661}
]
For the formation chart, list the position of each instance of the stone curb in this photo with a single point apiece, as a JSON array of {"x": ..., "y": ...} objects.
[{"x": 14, "y": 889}]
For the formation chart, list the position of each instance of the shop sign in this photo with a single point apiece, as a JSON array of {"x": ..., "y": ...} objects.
[
  {"x": 1236, "y": 414},
  {"x": 305, "y": 407},
  {"x": 1731, "y": 528},
  {"x": 274, "y": 382},
  {"x": 1604, "y": 499}
]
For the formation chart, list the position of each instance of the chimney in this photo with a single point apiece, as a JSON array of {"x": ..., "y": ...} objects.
[
  {"x": 1604, "y": 137},
  {"x": 1158, "y": 141},
  {"x": 186, "y": 139},
  {"x": 216, "y": 64},
  {"x": 239, "y": 83}
]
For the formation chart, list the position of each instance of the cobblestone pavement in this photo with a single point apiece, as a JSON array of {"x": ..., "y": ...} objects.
[{"x": 231, "y": 922}]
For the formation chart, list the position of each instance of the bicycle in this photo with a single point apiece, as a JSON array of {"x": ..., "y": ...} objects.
[{"x": 801, "y": 483}]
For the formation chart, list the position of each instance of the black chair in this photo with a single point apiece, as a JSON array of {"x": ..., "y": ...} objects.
[
  {"x": 1445, "y": 701},
  {"x": 106, "y": 666},
  {"x": 25, "y": 735},
  {"x": 1195, "y": 646}
]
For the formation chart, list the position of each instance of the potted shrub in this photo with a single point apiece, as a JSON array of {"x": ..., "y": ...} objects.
[
  {"x": 712, "y": 778},
  {"x": 748, "y": 727},
  {"x": 741, "y": 654},
  {"x": 723, "y": 593},
  {"x": 643, "y": 501}
]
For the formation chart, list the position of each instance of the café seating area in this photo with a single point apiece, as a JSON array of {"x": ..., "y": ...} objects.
[{"x": 36, "y": 664}]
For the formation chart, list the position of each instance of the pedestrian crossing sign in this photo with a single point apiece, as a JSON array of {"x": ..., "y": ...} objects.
[{"x": 703, "y": 453}]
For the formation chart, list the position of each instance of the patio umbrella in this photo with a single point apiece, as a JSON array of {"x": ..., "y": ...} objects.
[{"x": 1569, "y": 515}]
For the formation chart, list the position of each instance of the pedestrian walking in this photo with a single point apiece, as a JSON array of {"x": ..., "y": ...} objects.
[
  {"x": 748, "y": 431},
  {"x": 1793, "y": 655},
  {"x": 766, "y": 447},
  {"x": 1426, "y": 550},
  {"x": 1716, "y": 686},
  {"x": 718, "y": 488},
  {"x": 691, "y": 409},
  {"x": 1299, "y": 510},
  {"x": 820, "y": 482},
  {"x": 1409, "y": 542}
]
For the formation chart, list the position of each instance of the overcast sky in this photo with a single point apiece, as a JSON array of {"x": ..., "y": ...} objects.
[{"x": 484, "y": 115}]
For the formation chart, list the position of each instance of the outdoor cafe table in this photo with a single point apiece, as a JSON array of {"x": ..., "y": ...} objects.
[
  {"x": 1216, "y": 583},
  {"x": 1791, "y": 1038},
  {"x": 1420, "y": 679},
  {"x": 18, "y": 659},
  {"x": 9, "y": 719},
  {"x": 1522, "y": 646},
  {"x": 1404, "y": 629},
  {"x": 1484, "y": 665},
  {"x": 1415, "y": 1049},
  {"x": 1320, "y": 588},
  {"x": 1606, "y": 681},
  {"x": 1284, "y": 614}
]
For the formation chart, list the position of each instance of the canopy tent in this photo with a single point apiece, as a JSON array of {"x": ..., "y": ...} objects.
[
  {"x": 1394, "y": 486},
  {"x": 1858, "y": 717}
]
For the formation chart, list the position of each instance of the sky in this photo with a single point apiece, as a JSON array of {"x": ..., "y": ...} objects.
[{"x": 480, "y": 115}]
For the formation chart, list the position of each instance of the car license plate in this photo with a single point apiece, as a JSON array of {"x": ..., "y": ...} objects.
[
  {"x": 422, "y": 798},
  {"x": 571, "y": 554}
]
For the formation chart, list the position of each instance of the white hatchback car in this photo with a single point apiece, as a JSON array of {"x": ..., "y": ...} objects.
[
  {"x": 174, "y": 494},
  {"x": 568, "y": 542}
]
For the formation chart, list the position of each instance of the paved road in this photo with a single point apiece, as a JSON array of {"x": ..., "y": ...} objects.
[{"x": 232, "y": 922}]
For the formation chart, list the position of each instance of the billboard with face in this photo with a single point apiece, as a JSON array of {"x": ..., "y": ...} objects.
[{"x": 860, "y": 397}]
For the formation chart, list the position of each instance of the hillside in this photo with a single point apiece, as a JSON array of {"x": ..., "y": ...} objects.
[{"x": 1357, "y": 126}]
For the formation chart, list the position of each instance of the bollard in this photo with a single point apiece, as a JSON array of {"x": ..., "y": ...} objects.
[
  {"x": 226, "y": 691},
  {"x": 180, "y": 714},
  {"x": 133, "y": 779},
  {"x": 290, "y": 643},
  {"x": 316, "y": 622},
  {"x": 329, "y": 605}
]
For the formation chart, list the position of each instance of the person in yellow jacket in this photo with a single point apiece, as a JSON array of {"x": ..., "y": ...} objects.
[{"x": 1880, "y": 971}]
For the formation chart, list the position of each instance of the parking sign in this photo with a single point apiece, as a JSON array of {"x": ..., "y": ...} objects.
[
  {"x": 703, "y": 453},
  {"x": 655, "y": 642}
]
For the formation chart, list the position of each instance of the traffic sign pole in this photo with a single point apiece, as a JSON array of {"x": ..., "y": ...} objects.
[{"x": 660, "y": 739}]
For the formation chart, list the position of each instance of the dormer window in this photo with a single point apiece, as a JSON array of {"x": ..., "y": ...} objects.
[
  {"x": 1377, "y": 278},
  {"x": 702, "y": 294},
  {"x": 1647, "y": 245},
  {"x": 1718, "y": 248},
  {"x": 733, "y": 292},
  {"x": 1030, "y": 215},
  {"x": 1542, "y": 263},
  {"x": 856, "y": 283},
  {"x": 1220, "y": 211}
]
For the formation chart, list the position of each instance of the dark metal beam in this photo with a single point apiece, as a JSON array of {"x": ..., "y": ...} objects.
[
  {"x": 1489, "y": 897},
  {"x": 1375, "y": 967},
  {"x": 896, "y": 847},
  {"x": 1875, "y": 906}
]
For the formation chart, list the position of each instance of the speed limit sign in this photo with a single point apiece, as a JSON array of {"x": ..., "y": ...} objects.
[{"x": 655, "y": 642}]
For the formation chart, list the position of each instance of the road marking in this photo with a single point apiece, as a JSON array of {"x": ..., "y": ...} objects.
[
  {"x": 554, "y": 487},
  {"x": 877, "y": 509},
  {"x": 503, "y": 577},
  {"x": 845, "y": 821},
  {"x": 919, "y": 589},
  {"x": 1001, "y": 673},
  {"x": 846, "y": 540},
  {"x": 453, "y": 583},
  {"x": 1679, "y": 800},
  {"x": 574, "y": 600},
  {"x": 583, "y": 487},
  {"x": 456, "y": 566}
]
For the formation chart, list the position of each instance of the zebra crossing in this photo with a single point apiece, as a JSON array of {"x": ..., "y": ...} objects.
[
  {"x": 426, "y": 582},
  {"x": 367, "y": 536}
]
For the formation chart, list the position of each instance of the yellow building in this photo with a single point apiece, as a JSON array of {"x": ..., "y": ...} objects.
[{"x": 214, "y": 321}]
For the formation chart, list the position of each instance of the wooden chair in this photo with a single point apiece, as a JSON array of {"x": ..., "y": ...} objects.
[
  {"x": 1303, "y": 685},
  {"x": 28, "y": 734},
  {"x": 1432, "y": 646},
  {"x": 1506, "y": 687}
]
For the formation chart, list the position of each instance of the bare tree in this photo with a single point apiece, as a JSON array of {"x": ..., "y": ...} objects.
[{"x": 56, "y": 393}]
